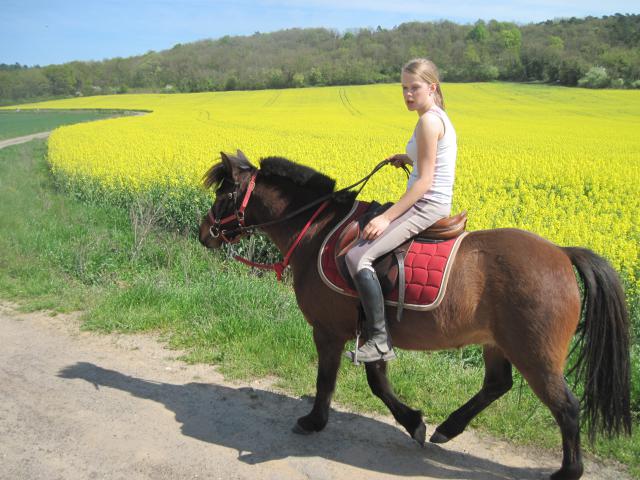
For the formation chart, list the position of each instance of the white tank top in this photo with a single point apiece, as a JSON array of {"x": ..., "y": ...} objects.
[{"x": 441, "y": 189}]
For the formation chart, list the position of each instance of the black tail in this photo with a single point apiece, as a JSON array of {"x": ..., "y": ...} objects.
[{"x": 603, "y": 363}]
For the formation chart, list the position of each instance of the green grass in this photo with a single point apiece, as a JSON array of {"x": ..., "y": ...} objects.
[
  {"x": 61, "y": 254},
  {"x": 17, "y": 124}
]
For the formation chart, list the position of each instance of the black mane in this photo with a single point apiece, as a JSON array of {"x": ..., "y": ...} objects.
[
  {"x": 214, "y": 175},
  {"x": 300, "y": 175}
]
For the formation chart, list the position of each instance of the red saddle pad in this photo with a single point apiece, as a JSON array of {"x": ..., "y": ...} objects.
[{"x": 426, "y": 267}]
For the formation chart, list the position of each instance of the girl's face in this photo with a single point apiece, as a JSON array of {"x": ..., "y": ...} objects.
[{"x": 418, "y": 94}]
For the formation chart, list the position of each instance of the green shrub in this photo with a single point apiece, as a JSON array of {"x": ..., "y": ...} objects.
[
  {"x": 596, "y": 77},
  {"x": 617, "y": 83}
]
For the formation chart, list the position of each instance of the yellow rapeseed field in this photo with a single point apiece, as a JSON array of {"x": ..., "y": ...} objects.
[{"x": 563, "y": 163}]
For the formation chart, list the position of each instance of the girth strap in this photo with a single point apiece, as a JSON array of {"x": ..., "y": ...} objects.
[{"x": 401, "y": 282}]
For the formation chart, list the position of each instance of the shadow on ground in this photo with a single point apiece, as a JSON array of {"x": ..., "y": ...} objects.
[{"x": 258, "y": 424}]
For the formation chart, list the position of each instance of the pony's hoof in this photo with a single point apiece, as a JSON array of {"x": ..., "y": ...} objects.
[
  {"x": 308, "y": 424},
  {"x": 438, "y": 437},
  {"x": 419, "y": 434},
  {"x": 568, "y": 473},
  {"x": 300, "y": 430}
]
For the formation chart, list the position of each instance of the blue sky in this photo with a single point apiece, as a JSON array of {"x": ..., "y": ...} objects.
[{"x": 52, "y": 31}]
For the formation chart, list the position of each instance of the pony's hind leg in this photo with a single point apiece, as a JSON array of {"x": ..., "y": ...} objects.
[
  {"x": 552, "y": 389},
  {"x": 329, "y": 351},
  {"x": 497, "y": 381},
  {"x": 410, "y": 419}
]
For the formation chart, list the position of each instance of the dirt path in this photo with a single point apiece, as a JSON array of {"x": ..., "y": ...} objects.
[
  {"x": 78, "y": 405},
  {"x": 25, "y": 139}
]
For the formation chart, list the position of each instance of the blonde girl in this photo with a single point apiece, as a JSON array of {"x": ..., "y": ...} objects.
[{"x": 431, "y": 151}]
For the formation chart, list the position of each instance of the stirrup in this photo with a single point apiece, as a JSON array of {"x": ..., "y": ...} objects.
[{"x": 353, "y": 356}]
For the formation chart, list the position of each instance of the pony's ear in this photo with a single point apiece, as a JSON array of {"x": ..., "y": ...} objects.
[
  {"x": 242, "y": 162},
  {"x": 237, "y": 165},
  {"x": 226, "y": 162},
  {"x": 242, "y": 156}
]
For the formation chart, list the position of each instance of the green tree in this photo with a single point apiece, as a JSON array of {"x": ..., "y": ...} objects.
[
  {"x": 298, "y": 80},
  {"x": 570, "y": 71},
  {"x": 478, "y": 33},
  {"x": 61, "y": 78},
  {"x": 316, "y": 77},
  {"x": 231, "y": 83}
]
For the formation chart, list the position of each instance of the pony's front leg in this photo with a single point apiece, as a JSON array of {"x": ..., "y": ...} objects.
[
  {"x": 329, "y": 349},
  {"x": 410, "y": 419}
]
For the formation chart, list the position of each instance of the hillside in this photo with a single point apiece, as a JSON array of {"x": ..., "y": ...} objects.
[{"x": 595, "y": 52}]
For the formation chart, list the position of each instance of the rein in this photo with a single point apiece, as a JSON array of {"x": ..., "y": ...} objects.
[
  {"x": 242, "y": 230},
  {"x": 279, "y": 267}
]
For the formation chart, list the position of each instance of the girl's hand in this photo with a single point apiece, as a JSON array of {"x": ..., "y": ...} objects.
[
  {"x": 399, "y": 159},
  {"x": 375, "y": 227}
]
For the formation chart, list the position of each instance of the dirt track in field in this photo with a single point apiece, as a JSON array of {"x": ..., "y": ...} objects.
[
  {"x": 27, "y": 138},
  {"x": 24, "y": 139},
  {"x": 79, "y": 405}
]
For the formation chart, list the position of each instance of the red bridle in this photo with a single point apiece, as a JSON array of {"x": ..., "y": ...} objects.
[
  {"x": 214, "y": 229},
  {"x": 239, "y": 217},
  {"x": 215, "y": 232}
]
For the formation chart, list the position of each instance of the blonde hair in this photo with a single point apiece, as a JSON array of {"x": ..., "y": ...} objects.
[{"x": 427, "y": 71}]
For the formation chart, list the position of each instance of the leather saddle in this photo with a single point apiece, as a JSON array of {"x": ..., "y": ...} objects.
[{"x": 390, "y": 267}]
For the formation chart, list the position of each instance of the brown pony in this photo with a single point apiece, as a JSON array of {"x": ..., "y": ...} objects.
[{"x": 510, "y": 291}]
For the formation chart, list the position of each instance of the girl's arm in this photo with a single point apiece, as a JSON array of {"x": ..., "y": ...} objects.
[{"x": 428, "y": 130}]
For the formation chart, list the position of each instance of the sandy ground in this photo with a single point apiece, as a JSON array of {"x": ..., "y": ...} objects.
[
  {"x": 79, "y": 405},
  {"x": 25, "y": 139}
]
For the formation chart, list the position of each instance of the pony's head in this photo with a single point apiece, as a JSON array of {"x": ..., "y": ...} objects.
[
  {"x": 231, "y": 178},
  {"x": 283, "y": 184}
]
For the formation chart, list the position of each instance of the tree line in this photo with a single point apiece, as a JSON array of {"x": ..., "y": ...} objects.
[{"x": 590, "y": 52}]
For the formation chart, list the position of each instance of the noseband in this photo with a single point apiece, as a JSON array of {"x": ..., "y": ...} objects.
[{"x": 238, "y": 215}]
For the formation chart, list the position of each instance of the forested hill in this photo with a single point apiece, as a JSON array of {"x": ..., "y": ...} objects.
[{"x": 594, "y": 52}]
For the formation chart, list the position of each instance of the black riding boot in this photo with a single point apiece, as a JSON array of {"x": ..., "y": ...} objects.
[{"x": 378, "y": 344}]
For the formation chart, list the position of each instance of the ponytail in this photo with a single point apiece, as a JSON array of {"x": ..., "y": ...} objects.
[{"x": 439, "y": 97}]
